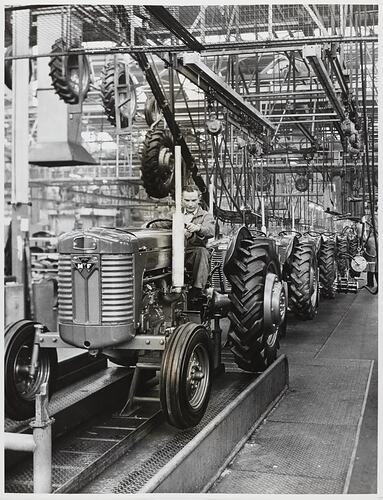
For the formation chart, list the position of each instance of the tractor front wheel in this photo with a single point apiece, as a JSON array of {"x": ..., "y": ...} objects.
[
  {"x": 20, "y": 388},
  {"x": 186, "y": 375}
]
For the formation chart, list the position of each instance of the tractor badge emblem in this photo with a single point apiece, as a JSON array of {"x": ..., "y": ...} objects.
[{"x": 85, "y": 265}]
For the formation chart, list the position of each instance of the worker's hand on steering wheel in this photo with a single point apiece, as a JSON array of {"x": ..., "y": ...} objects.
[{"x": 193, "y": 228}]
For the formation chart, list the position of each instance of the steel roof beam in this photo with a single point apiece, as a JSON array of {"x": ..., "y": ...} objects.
[
  {"x": 191, "y": 66},
  {"x": 313, "y": 54},
  {"x": 174, "y": 26}
]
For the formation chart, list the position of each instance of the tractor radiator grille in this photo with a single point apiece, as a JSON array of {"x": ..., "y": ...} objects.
[
  {"x": 65, "y": 288},
  {"x": 116, "y": 288},
  {"x": 113, "y": 291},
  {"x": 218, "y": 277}
]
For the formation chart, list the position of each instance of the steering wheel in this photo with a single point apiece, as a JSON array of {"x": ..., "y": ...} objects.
[
  {"x": 314, "y": 234},
  {"x": 258, "y": 232},
  {"x": 285, "y": 233},
  {"x": 149, "y": 224},
  {"x": 328, "y": 233}
]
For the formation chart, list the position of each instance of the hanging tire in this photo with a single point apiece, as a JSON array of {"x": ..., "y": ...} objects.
[
  {"x": 249, "y": 263},
  {"x": 151, "y": 110},
  {"x": 8, "y": 68},
  {"x": 303, "y": 280},
  {"x": 157, "y": 163},
  {"x": 108, "y": 94},
  {"x": 185, "y": 376},
  {"x": 327, "y": 268},
  {"x": 20, "y": 392},
  {"x": 65, "y": 73},
  {"x": 342, "y": 257}
]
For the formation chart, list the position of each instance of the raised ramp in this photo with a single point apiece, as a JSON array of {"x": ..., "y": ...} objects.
[
  {"x": 174, "y": 461},
  {"x": 198, "y": 463},
  {"x": 180, "y": 460}
]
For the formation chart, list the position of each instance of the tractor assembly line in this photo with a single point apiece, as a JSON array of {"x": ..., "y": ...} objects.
[{"x": 191, "y": 249}]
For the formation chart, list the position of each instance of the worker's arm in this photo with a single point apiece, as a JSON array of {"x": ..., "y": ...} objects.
[{"x": 206, "y": 226}]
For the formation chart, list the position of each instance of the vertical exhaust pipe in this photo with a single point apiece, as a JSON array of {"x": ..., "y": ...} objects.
[{"x": 178, "y": 239}]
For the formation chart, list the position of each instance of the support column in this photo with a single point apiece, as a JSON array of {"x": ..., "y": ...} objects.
[{"x": 20, "y": 135}]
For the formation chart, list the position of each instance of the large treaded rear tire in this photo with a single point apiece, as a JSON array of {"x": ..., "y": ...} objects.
[
  {"x": 108, "y": 90},
  {"x": 341, "y": 255},
  {"x": 67, "y": 88},
  {"x": 327, "y": 268},
  {"x": 158, "y": 180},
  {"x": 303, "y": 289},
  {"x": 246, "y": 271}
]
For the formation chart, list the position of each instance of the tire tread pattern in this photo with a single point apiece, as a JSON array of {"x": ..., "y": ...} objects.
[
  {"x": 246, "y": 274},
  {"x": 60, "y": 78},
  {"x": 158, "y": 181}
]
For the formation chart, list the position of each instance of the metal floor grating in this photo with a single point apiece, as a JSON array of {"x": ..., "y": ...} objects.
[
  {"x": 73, "y": 394},
  {"x": 135, "y": 479},
  {"x": 74, "y": 454}
]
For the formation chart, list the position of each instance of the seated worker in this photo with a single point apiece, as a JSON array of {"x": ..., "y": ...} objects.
[{"x": 199, "y": 227}]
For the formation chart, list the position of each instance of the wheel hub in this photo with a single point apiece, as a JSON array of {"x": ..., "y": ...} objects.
[
  {"x": 164, "y": 157},
  {"x": 197, "y": 376},
  {"x": 274, "y": 306}
]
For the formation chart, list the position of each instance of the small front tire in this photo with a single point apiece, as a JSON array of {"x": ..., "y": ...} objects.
[{"x": 186, "y": 375}]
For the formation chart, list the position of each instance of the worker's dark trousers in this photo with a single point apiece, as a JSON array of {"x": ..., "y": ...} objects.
[{"x": 197, "y": 261}]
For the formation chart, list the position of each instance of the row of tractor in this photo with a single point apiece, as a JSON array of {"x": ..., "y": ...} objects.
[{"x": 117, "y": 298}]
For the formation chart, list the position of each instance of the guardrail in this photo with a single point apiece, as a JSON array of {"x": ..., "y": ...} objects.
[{"x": 39, "y": 443}]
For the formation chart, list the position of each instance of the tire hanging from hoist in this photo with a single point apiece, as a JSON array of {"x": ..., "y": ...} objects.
[
  {"x": 71, "y": 86},
  {"x": 8, "y": 68},
  {"x": 108, "y": 94},
  {"x": 157, "y": 163}
]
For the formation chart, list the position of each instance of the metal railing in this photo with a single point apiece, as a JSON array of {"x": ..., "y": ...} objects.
[{"x": 39, "y": 443}]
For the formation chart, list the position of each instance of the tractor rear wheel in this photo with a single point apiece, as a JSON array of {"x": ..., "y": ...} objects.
[
  {"x": 327, "y": 268},
  {"x": 20, "y": 390},
  {"x": 303, "y": 290},
  {"x": 186, "y": 375},
  {"x": 251, "y": 262},
  {"x": 342, "y": 257},
  {"x": 157, "y": 163}
]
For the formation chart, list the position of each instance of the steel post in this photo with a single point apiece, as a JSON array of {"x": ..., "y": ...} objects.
[
  {"x": 42, "y": 435},
  {"x": 20, "y": 135}
]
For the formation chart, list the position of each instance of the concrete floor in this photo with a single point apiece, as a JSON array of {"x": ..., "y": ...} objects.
[{"x": 322, "y": 437}]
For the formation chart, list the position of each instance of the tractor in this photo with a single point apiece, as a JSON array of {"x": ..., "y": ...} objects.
[
  {"x": 122, "y": 295},
  {"x": 298, "y": 257},
  {"x": 350, "y": 261}
]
